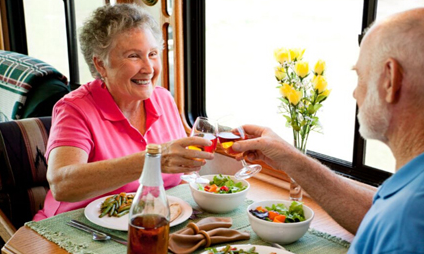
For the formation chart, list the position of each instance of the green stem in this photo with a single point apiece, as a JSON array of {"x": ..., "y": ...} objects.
[
  {"x": 295, "y": 133},
  {"x": 306, "y": 138},
  {"x": 308, "y": 130}
]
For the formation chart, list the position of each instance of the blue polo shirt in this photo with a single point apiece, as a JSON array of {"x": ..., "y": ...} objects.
[{"x": 395, "y": 222}]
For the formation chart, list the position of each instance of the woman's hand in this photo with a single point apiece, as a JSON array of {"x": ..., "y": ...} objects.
[{"x": 176, "y": 158}]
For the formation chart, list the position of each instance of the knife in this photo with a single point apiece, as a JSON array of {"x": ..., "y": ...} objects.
[{"x": 83, "y": 226}]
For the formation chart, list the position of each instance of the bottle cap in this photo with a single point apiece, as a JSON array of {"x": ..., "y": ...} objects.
[{"x": 153, "y": 149}]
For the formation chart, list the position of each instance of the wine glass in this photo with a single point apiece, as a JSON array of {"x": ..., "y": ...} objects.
[
  {"x": 205, "y": 128},
  {"x": 229, "y": 132}
]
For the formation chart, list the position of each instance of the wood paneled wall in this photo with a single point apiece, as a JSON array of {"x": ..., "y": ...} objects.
[{"x": 4, "y": 32}]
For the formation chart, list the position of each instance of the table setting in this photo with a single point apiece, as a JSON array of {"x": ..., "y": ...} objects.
[
  {"x": 91, "y": 212},
  {"x": 233, "y": 225}
]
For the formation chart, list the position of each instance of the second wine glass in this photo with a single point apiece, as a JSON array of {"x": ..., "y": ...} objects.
[
  {"x": 229, "y": 132},
  {"x": 207, "y": 129}
]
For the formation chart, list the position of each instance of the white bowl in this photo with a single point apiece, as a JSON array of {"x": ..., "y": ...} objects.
[
  {"x": 219, "y": 203},
  {"x": 282, "y": 233}
]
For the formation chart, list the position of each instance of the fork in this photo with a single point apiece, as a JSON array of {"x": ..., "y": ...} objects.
[{"x": 97, "y": 235}]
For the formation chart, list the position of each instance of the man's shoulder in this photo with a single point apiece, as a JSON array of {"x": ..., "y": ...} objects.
[{"x": 393, "y": 221}]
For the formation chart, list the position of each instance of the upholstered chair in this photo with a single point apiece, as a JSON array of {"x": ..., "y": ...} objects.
[
  {"x": 23, "y": 184},
  {"x": 29, "y": 87}
]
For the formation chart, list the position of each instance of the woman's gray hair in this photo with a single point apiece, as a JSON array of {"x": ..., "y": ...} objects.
[{"x": 98, "y": 33}]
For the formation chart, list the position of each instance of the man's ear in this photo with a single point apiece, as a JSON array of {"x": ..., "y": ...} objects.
[
  {"x": 100, "y": 66},
  {"x": 393, "y": 76}
]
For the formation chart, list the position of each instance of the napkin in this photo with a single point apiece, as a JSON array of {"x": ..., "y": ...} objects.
[{"x": 206, "y": 232}]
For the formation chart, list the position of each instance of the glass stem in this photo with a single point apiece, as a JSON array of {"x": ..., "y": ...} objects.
[{"x": 245, "y": 165}]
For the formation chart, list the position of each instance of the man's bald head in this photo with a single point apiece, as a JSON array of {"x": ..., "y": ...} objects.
[
  {"x": 390, "y": 74},
  {"x": 399, "y": 36}
]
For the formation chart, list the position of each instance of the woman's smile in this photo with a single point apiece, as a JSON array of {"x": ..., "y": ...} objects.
[{"x": 141, "y": 81}]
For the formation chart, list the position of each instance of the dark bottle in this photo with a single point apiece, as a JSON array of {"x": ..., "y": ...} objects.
[{"x": 149, "y": 214}]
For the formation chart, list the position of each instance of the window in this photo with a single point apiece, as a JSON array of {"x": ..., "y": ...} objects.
[
  {"x": 228, "y": 62},
  {"x": 240, "y": 65},
  {"x": 46, "y": 33},
  {"x": 238, "y": 69},
  {"x": 83, "y": 9}
]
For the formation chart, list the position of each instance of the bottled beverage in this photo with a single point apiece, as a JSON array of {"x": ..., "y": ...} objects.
[{"x": 149, "y": 214}]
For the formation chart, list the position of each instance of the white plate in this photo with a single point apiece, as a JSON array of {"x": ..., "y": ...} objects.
[
  {"x": 92, "y": 212},
  {"x": 259, "y": 249}
]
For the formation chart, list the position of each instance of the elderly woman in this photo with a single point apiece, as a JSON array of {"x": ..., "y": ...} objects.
[{"x": 100, "y": 131}]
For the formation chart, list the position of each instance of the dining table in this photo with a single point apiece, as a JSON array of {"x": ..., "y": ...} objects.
[{"x": 53, "y": 235}]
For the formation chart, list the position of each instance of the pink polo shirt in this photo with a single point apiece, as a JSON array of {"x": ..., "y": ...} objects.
[{"x": 88, "y": 118}]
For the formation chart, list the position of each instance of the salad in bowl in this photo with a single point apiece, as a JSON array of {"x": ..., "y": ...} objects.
[
  {"x": 222, "y": 194},
  {"x": 279, "y": 221}
]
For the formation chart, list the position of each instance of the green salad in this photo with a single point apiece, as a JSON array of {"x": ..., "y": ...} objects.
[
  {"x": 222, "y": 185},
  {"x": 231, "y": 250},
  {"x": 280, "y": 213}
]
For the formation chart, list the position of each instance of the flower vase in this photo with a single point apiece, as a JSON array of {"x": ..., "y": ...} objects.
[{"x": 295, "y": 188}]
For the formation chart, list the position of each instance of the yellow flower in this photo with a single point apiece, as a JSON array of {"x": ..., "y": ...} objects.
[
  {"x": 282, "y": 55},
  {"x": 326, "y": 93},
  {"x": 296, "y": 54},
  {"x": 320, "y": 83},
  {"x": 303, "y": 91},
  {"x": 280, "y": 73},
  {"x": 302, "y": 69},
  {"x": 319, "y": 67},
  {"x": 285, "y": 90},
  {"x": 294, "y": 97}
]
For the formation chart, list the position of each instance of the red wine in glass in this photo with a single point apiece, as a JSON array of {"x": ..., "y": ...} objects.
[
  {"x": 227, "y": 139},
  {"x": 208, "y": 136},
  {"x": 230, "y": 132},
  {"x": 207, "y": 129}
]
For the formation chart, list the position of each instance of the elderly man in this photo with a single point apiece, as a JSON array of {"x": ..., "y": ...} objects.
[{"x": 390, "y": 95}]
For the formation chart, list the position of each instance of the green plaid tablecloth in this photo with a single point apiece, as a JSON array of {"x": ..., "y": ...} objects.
[{"x": 76, "y": 241}]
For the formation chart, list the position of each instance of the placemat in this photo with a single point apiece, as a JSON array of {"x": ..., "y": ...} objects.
[{"x": 76, "y": 241}]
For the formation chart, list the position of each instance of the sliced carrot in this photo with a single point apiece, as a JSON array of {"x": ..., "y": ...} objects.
[
  {"x": 272, "y": 214},
  {"x": 279, "y": 218},
  {"x": 261, "y": 209},
  {"x": 214, "y": 188}
]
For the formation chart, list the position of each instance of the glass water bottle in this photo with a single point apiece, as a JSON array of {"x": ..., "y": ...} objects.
[{"x": 149, "y": 214}]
